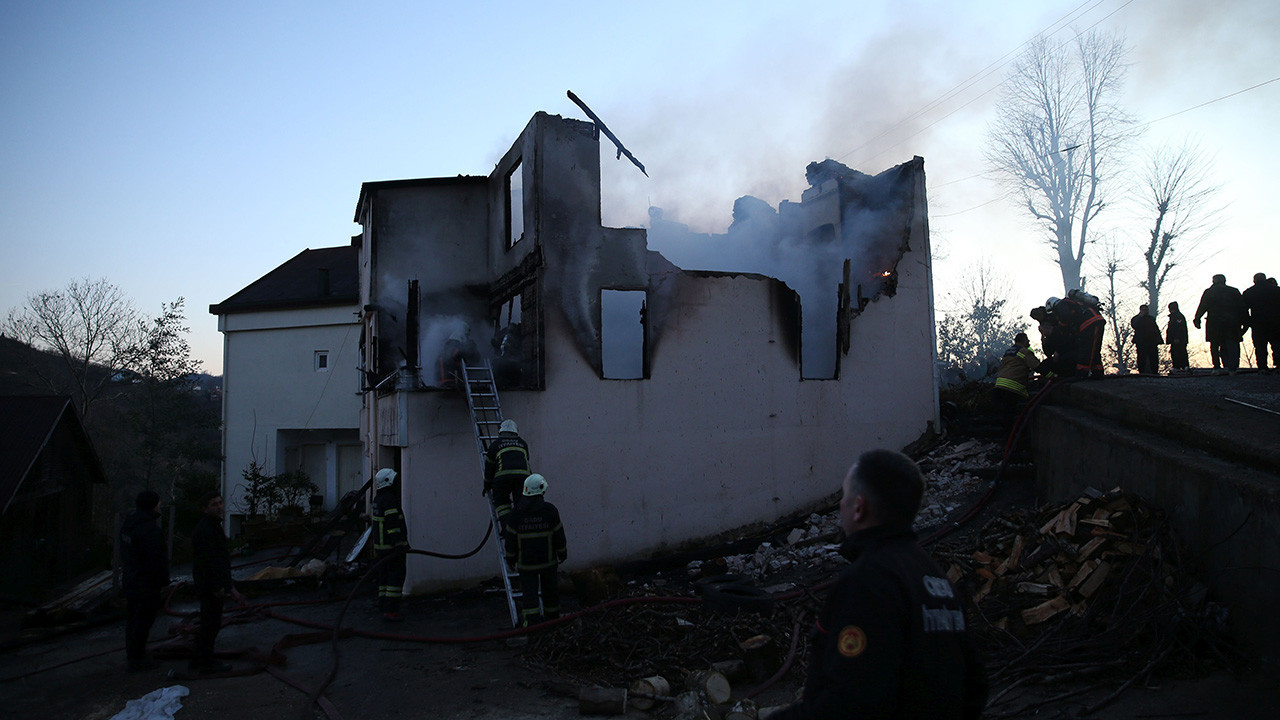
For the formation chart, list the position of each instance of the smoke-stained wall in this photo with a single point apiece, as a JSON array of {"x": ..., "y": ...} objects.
[{"x": 722, "y": 431}]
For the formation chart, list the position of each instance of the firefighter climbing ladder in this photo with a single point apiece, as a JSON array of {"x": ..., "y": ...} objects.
[{"x": 486, "y": 417}]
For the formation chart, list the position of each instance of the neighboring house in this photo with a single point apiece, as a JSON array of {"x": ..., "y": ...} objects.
[
  {"x": 291, "y": 390},
  {"x": 663, "y": 405},
  {"x": 48, "y": 468}
]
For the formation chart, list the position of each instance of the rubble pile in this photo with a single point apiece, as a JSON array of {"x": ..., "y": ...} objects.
[
  {"x": 621, "y": 644},
  {"x": 953, "y": 478},
  {"x": 1097, "y": 587}
]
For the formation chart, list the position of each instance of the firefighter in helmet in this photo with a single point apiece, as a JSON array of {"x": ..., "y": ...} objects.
[
  {"x": 534, "y": 539},
  {"x": 390, "y": 542}
]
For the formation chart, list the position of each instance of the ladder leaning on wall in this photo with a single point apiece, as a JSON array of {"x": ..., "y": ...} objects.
[{"x": 486, "y": 417}]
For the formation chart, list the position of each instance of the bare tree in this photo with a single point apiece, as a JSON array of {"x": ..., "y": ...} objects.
[
  {"x": 1114, "y": 267},
  {"x": 1057, "y": 135},
  {"x": 91, "y": 325},
  {"x": 1181, "y": 196}
]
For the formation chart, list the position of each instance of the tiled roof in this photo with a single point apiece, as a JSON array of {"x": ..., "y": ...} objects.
[{"x": 312, "y": 278}]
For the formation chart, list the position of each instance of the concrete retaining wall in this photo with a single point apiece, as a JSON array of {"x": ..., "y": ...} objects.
[{"x": 1227, "y": 514}]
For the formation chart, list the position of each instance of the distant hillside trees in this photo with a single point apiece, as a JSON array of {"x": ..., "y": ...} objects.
[
  {"x": 132, "y": 378},
  {"x": 977, "y": 330}
]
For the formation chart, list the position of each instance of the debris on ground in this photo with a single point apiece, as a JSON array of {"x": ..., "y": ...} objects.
[{"x": 1098, "y": 587}]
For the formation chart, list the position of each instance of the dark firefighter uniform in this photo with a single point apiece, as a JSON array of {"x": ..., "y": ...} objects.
[
  {"x": 506, "y": 465},
  {"x": 891, "y": 641},
  {"x": 389, "y": 538},
  {"x": 534, "y": 539},
  {"x": 1086, "y": 324}
]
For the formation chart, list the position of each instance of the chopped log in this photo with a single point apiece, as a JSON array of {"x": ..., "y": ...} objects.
[
  {"x": 1096, "y": 578},
  {"x": 713, "y": 685},
  {"x": 759, "y": 657},
  {"x": 1034, "y": 588},
  {"x": 1045, "y": 610},
  {"x": 642, "y": 690},
  {"x": 954, "y": 573},
  {"x": 733, "y": 669},
  {"x": 983, "y": 558},
  {"x": 690, "y": 705},
  {"x": 1082, "y": 574},
  {"x": 1091, "y": 547},
  {"x": 602, "y": 701},
  {"x": 983, "y": 591}
]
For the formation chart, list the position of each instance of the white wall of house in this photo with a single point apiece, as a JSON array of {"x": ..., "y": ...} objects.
[
  {"x": 723, "y": 434},
  {"x": 274, "y": 389}
]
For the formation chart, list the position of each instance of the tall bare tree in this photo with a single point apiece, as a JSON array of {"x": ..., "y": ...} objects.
[
  {"x": 1057, "y": 135},
  {"x": 1182, "y": 198},
  {"x": 1115, "y": 268},
  {"x": 91, "y": 325}
]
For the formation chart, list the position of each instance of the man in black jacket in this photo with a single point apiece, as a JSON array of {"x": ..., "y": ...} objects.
[
  {"x": 891, "y": 641},
  {"x": 211, "y": 575},
  {"x": 534, "y": 539},
  {"x": 1228, "y": 317},
  {"x": 145, "y": 573},
  {"x": 1262, "y": 299},
  {"x": 1146, "y": 340}
]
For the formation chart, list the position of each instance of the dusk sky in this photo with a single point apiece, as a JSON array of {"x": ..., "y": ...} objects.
[{"x": 184, "y": 149}]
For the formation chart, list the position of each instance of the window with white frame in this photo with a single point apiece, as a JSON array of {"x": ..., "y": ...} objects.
[{"x": 322, "y": 361}]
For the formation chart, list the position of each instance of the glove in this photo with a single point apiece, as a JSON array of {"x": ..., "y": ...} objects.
[{"x": 1196, "y": 322}]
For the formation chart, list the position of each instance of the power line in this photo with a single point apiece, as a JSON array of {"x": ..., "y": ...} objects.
[
  {"x": 1115, "y": 137},
  {"x": 1209, "y": 102},
  {"x": 975, "y": 207},
  {"x": 982, "y": 74}
]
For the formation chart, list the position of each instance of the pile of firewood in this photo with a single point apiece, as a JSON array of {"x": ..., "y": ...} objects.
[{"x": 1096, "y": 588}]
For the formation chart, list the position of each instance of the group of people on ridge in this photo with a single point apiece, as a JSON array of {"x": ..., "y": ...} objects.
[{"x": 1071, "y": 336}]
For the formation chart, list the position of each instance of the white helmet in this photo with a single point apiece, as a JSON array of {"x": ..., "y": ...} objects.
[
  {"x": 508, "y": 426},
  {"x": 384, "y": 478},
  {"x": 535, "y": 484},
  {"x": 1051, "y": 302}
]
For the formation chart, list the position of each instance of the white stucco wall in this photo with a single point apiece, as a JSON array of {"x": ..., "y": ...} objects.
[
  {"x": 270, "y": 383},
  {"x": 723, "y": 434}
]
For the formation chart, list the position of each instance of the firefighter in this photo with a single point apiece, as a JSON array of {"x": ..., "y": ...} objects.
[
  {"x": 534, "y": 540},
  {"x": 1016, "y": 366},
  {"x": 389, "y": 544},
  {"x": 1078, "y": 315},
  {"x": 1055, "y": 343},
  {"x": 506, "y": 465}
]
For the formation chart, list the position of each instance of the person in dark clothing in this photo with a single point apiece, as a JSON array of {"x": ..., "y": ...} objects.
[
  {"x": 389, "y": 544},
  {"x": 145, "y": 574},
  {"x": 1086, "y": 324},
  {"x": 1227, "y": 320},
  {"x": 534, "y": 539},
  {"x": 458, "y": 349},
  {"x": 891, "y": 640},
  {"x": 1147, "y": 340},
  {"x": 211, "y": 576},
  {"x": 1262, "y": 300},
  {"x": 1175, "y": 333},
  {"x": 1057, "y": 345},
  {"x": 506, "y": 465}
]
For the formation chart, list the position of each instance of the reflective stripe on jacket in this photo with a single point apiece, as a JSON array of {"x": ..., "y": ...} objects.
[{"x": 1015, "y": 369}]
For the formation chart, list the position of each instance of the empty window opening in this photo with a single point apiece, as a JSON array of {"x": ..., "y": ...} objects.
[
  {"x": 515, "y": 205},
  {"x": 622, "y": 316},
  {"x": 322, "y": 360}
]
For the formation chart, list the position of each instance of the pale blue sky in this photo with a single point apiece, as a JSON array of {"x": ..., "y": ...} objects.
[{"x": 180, "y": 150}]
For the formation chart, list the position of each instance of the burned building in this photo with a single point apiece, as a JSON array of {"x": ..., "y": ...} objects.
[{"x": 662, "y": 404}]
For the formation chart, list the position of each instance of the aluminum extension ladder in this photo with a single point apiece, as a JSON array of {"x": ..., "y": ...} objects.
[{"x": 486, "y": 417}]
